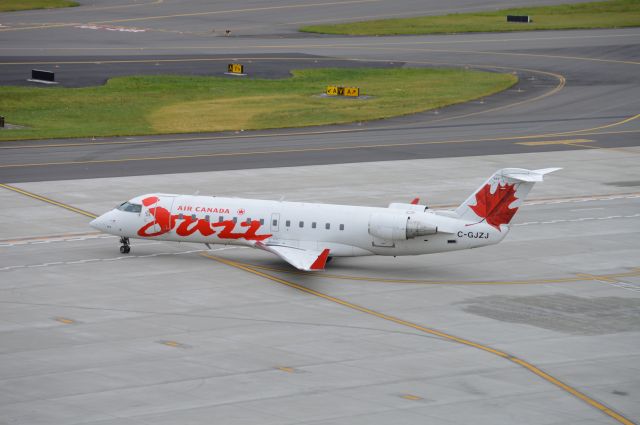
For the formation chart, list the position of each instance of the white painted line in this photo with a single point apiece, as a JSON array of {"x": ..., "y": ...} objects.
[
  {"x": 626, "y": 285},
  {"x": 577, "y": 200},
  {"x": 110, "y": 28},
  {"x": 587, "y": 209},
  {"x": 128, "y": 257},
  {"x": 57, "y": 239},
  {"x": 32, "y": 80},
  {"x": 573, "y": 220}
]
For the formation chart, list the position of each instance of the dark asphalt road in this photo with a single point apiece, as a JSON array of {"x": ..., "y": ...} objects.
[
  {"x": 79, "y": 71},
  {"x": 573, "y": 86}
]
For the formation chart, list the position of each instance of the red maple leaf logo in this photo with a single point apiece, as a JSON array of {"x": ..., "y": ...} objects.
[{"x": 494, "y": 207}]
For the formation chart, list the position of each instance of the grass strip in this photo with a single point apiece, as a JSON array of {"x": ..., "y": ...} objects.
[
  {"x": 603, "y": 14},
  {"x": 179, "y": 104},
  {"x": 15, "y": 5}
]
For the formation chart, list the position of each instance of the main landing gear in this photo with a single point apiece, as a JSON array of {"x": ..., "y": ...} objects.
[{"x": 125, "y": 248}]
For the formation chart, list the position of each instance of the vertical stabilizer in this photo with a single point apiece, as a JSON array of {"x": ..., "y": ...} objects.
[{"x": 498, "y": 199}]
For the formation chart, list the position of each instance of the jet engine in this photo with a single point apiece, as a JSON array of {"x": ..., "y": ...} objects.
[{"x": 398, "y": 226}]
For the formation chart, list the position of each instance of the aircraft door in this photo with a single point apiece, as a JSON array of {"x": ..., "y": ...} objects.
[
  {"x": 275, "y": 222},
  {"x": 156, "y": 212}
]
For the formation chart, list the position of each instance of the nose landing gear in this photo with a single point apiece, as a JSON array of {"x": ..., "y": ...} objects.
[{"x": 125, "y": 248}]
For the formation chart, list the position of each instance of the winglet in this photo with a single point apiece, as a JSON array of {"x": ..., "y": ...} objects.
[
  {"x": 415, "y": 201},
  {"x": 320, "y": 261}
]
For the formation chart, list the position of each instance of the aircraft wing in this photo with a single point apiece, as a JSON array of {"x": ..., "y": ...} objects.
[{"x": 300, "y": 258}]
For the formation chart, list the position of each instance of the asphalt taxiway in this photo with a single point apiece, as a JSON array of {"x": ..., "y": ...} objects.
[
  {"x": 584, "y": 88},
  {"x": 540, "y": 329},
  {"x": 82, "y": 71}
]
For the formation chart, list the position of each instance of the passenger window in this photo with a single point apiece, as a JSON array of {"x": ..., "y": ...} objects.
[
  {"x": 301, "y": 224},
  {"x": 275, "y": 222},
  {"x": 342, "y": 227},
  {"x": 327, "y": 226},
  {"x": 287, "y": 223},
  {"x": 235, "y": 219},
  {"x": 220, "y": 219},
  {"x": 313, "y": 225},
  {"x": 207, "y": 218},
  {"x": 180, "y": 216},
  {"x": 193, "y": 217},
  {"x": 248, "y": 221},
  {"x": 261, "y": 221}
]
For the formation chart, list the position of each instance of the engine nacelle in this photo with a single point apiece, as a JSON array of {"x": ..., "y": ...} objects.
[{"x": 398, "y": 227}]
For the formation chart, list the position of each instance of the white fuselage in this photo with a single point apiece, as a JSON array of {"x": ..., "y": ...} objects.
[{"x": 344, "y": 230}]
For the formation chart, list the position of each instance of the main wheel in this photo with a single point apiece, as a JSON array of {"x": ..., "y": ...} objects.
[{"x": 124, "y": 249}]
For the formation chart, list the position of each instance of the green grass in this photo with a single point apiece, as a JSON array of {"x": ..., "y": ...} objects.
[
  {"x": 604, "y": 14},
  {"x": 14, "y": 5},
  {"x": 175, "y": 104}
]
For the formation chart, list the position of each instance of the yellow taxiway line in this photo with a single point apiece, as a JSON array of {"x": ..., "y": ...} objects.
[
  {"x": 557, "y": 88},
  {"x": 48, "y": 201},
  {"x": 520, "y": 362},
  {"x": 561, "y": 84},
  {"x": 251, "y": 153},
  {"x": 555, "y": 142},
  {"x": 523, "y": 363},
  {"x": 580, "y": 277},
  {"x": 207, "y": 13}
]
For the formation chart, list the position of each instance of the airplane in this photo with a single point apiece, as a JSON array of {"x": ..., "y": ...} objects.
[{"x": 309, "y": 235}]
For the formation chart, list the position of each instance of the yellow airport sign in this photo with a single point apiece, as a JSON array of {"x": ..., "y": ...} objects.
[
  {"x": 352, "y": 91},
  {"x": 342, "y": 91},
  {"x": 332, "y": 91},
  {"x": 235, "y": 68}
]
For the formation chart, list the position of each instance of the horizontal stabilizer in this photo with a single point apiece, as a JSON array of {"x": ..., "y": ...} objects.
[{"x": 527, "y": 175}]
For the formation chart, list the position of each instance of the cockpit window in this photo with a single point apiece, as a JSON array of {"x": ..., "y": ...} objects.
[{"x": 129, "y": 207}]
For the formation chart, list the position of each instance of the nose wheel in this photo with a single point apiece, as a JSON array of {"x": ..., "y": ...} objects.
[{"x": 125, "y": 247}]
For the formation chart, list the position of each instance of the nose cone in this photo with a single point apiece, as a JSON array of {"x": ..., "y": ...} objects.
[
  {"x": 97, "y": 223},
  {"x": 111, "y": 222}
]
